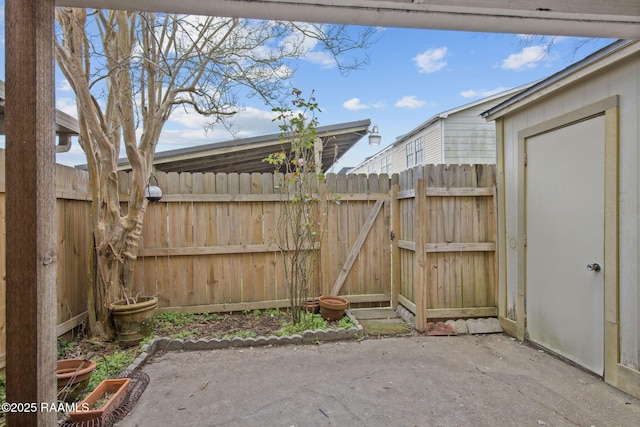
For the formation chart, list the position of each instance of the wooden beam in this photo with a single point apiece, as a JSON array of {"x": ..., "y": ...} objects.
[
  {"x": 31, "y": 209},
  {"x": 68, "y": 325},
  {"x": 262, "y": 305},
  {"x": 213, "y": 250},
  {"x": 461, "y": 313},
  {"x": 364, "y": 231},
  {"x": 420, "y": 228},
  {"x": 459, "y": 191},
  {"x": 460, "y": 247},
  {"x": 396, "y": 266}
]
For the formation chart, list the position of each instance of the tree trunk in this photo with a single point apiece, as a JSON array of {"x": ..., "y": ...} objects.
[{"x": 115, "y": 260}]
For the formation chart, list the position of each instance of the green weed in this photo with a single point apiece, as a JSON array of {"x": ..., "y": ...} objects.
[
  {"x": 186, "y": 334},
  {"x": 109, "y": 366},
  {"x": 311, "y": 322}
]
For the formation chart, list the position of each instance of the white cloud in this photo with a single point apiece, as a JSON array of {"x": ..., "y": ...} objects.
[
  {"x": 324, "y": 59},
  {"x": 354, "y": 104},
  {"x": 431, "y": 60},
  {"x": 472, "y": 93},
  {"x": 63, "y": 86},
  {"x": 528, "y": 57},
  {"x": 410, "y": 101},
  {"x": 67, "y": 105},
  {"x": 247, "y": 122}
]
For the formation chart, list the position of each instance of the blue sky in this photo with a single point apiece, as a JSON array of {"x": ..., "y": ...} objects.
[{"x": 413, "y": 74}]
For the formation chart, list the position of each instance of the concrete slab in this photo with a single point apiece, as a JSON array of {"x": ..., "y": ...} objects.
[
  {"x": 381, "y": 321},
  {"x": 469, "y": 380},
  {"x": 374, "y": 313},
  {"x": 484, "y": 326},
  {"x": 376, "y": 327}
]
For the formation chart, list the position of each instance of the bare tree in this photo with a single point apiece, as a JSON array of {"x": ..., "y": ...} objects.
[{"x": 131, "y": 70}]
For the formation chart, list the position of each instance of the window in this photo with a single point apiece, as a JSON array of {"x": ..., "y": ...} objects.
[
  {"x": 410, "y": 155},
  {"x": 418, "y": 144},
  {"x": 371, "y": 168},
  {"x": 385, "y": 164}
]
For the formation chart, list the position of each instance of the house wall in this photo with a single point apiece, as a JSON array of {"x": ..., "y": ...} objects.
[
  {"x": 468, "y": 138},
  {"x": 622, "y": 79},
  {"x": 432, "y": 140}
]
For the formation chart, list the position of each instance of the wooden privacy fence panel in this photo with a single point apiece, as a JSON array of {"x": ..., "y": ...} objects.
[
  {"x": 211, "y": 243},
  {"x": 73, "y": 251},
  {"x": 356, "y": 252},
  {"x": 448, "y": 241}
]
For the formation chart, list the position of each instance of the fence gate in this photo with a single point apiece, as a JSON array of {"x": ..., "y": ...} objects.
[{"x": 446, "y": 251}]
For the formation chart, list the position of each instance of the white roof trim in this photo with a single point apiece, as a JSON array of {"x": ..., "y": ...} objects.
[{"x": 581, "y": 69}]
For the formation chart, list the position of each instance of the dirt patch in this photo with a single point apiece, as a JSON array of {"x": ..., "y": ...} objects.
[{"x": 218, "y": 325}]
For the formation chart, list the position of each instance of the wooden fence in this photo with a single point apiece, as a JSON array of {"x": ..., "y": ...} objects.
[
  {"x": 445, "y": 254},
  {"x": 74, "y": 249},
  {"x": 210, "y": 244}
]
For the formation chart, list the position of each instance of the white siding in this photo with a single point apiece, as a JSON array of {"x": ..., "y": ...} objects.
[
  {"x": 468, "y": 138},
  {"x": 433, "y": 145}
]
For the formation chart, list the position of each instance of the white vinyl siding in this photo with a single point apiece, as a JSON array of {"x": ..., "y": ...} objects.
[
  {"x": 469, "y": 139},
  {"x": 432, "y": 143}
]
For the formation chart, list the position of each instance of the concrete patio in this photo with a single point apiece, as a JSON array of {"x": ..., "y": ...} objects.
[{"x": 470, "y": 380}]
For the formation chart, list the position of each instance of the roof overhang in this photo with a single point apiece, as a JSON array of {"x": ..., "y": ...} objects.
[
  {"x": 581, "y": 69},
  {"x": 66, "y": 125},
  {"x": 610, "y": 19},
  {"x": 246, "y": 155}
]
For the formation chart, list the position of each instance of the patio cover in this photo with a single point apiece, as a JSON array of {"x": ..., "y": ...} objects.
[{"x": 245, "y": 155}]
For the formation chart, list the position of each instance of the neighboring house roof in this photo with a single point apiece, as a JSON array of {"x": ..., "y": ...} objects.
[
  {"x": 246, "y": 155},
  {"x": 66, "y": 125},
  {"x": 589, "y": 65},
  {"x": 445, "y": 114},
  {"x": 441, "y": 116},
  {"x": 375, "y": 156}
]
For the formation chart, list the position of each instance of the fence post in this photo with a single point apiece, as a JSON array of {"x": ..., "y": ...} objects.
[
  {"x": 396, "y": 274},
  {"x": 420, "y": 257}
]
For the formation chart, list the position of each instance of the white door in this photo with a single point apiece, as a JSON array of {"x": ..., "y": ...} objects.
[{"x": 565, "y": 241}]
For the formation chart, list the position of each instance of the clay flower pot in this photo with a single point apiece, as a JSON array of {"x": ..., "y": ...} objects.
[
  {"x": 332, "y": 307},
  {"x": 101, "y": 401},
  {"x": 310, "y": 306},
  {"x": 73, "y": 377},
  {"x": 133, "y": 321}
]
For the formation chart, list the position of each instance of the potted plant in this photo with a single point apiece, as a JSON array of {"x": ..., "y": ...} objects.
[
  {"x": 73, "y": 377},
  {"x": 332, "y": 307},
  {"x": 311, "y": 305},
  {"x": 133, "y": 319},
  {"x": 105, "y": 398}
]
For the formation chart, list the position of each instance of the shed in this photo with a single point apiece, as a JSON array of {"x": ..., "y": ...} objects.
[
  {"x": 455, "y": 136},
  {"x": 568, "y": 191}
]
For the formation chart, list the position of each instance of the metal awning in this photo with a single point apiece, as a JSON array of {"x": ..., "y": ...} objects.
[{"x": 246, "y": 155}]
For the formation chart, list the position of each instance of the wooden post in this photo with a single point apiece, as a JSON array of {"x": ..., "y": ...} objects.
[
  {"x": 31, "y": 209},
  {"x": 420, "y": 264},
  {"x": 395, "y": 250}
]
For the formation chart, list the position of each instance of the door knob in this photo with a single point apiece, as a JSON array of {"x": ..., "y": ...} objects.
[{"x": 593, "y": 267}]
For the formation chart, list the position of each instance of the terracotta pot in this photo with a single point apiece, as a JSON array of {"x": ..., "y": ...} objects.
[
  {"x": 134, "y": 321},
  {"x": 114, "y": 390},
  {"x": 332, "y": 307},
  {"x": 73, "y": 377},
  {"x": 310, "y": 306}
]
